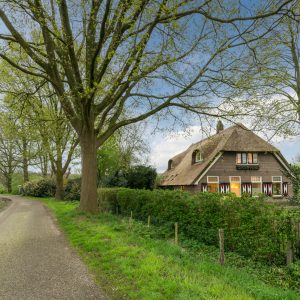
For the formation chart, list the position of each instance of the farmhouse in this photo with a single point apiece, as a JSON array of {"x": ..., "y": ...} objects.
[{"x": 233, "y": 160}]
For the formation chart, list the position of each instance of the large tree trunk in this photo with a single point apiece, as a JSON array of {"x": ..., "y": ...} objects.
[
  {"x": 44, "y": 165},
  {"x": 59, "y": 193},
  {"x": 25, "y": 161},
  {"x": 25, "y": 171},
  {"x": 9, "y": 183},
  {"x": 88, "y": 196}
]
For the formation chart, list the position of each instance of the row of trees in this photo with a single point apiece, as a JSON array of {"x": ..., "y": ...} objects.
[
  {"x": 35, "y": 134},
  {"x": 113, "y": 63}
]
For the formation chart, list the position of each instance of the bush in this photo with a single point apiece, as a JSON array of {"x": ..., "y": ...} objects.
[
  {"x": 141, "y": 177},
  {"x": 136, "y": 177},
  {"x": 40, "y": 188},
  {"x": 72, "y": 189},
  {"x": 252, "y": 227}
]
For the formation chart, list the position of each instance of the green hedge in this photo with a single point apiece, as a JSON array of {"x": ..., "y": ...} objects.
[{"x": 252, "y": 227}]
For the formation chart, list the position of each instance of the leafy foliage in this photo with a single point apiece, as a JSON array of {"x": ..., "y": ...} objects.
[
  {"x": 140, "y": 265},
  {"x": 294, "y": 176},
  {"x": 136, "y": 177},
  {"x": 141, "y": 177},
  {"x": 122, "y": 150},
  {"x": 72, "y": 189},
  {"x": 40, "y": 188},
  {"x": 252, "y": 227}
]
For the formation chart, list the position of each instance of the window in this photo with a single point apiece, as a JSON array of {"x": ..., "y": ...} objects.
[
  {"x": 255, "y": 158},
  {"x": 246, "y": 158},
  {"x": 256, "y": 182},
  {"x": 239, "y": 158},
  {"x": 170, "y": 164},
  {"x": 196, "y": 156},
  {"x": 235, "y": 185},
  {"x": 250, "y": 158},
  {"x": 276, "y": 185},
  {"x": 213, "y": 184}
]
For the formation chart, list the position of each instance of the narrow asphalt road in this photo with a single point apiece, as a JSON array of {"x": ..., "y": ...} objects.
[{"x": 35, "y": 259}]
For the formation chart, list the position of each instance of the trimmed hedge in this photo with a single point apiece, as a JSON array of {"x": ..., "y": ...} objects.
[{"x": 252, "y": 227}]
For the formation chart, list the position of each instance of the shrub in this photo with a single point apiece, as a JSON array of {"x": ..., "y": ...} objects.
[
  {"x": 252, "y": 227},
  {"x": 72, "y": 189},
  {"x": 41, "y": 188},
  {"x": 136, "y": 177},
  {"x": 141, "y": 177}
]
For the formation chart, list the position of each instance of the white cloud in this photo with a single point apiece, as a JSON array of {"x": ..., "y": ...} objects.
[{"x": 165, "y": 147}]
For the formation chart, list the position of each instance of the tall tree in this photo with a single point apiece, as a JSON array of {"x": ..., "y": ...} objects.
[
  {"x": 39, "y": 117},
  {"x": 10, "y": 156},
  {"x": 271, "y": 85},
  {"x": 104, "y": 57},
  {"x": 122, "y": 150}
]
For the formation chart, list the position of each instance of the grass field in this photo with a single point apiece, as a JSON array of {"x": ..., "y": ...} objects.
[{"x": 130, "y": 263}]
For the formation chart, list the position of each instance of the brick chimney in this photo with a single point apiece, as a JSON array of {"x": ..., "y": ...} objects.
[{"x": 220, "y": 126}]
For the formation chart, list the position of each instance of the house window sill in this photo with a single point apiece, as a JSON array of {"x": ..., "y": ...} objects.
[
  {"x": 277, "y": 196},
  {"x": 247, "y": 166}
]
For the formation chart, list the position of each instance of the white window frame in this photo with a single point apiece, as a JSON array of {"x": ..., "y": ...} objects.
[
  {"x": 281, "y": 187},
  {"x": 254, "y": 181},
  {"x": 198, "y": 159},
  {"x": 247, "y": 156},
  {"x": 218, "y": 181},
  {"x": 240, "y": 181},
  {"x": 213, "y": 181}
]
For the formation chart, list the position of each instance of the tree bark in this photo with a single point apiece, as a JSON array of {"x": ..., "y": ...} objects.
[
  {"x": 25, "y": 161},
  {"x": 25, "y": 171},
  {"x": 88, "y": 196},
  {"x": 9, "y": 183},
  {"x": 59, "y": 192}
]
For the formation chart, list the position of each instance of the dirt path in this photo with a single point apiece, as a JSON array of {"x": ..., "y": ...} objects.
[{"x": 35, "y": 259}]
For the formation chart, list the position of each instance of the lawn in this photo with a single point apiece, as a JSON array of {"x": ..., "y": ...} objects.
[{"x": 129, "y": 262}]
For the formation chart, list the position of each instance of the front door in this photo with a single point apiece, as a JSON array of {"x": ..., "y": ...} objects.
[{"x": 235, "y": 185}]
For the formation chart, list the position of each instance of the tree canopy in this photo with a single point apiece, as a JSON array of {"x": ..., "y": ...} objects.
[{"x": 113, "y": 63}]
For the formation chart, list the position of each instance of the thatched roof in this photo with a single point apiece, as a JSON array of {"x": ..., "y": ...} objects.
[{"x": 234, "y": 138}]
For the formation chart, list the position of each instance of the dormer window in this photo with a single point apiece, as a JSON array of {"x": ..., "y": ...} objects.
[
  {"x": 196, "y": 156},
  {"x": 170, "y": 164}
]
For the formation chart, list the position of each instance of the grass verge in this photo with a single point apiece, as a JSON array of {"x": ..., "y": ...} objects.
[{"x": 129, "y": 263}]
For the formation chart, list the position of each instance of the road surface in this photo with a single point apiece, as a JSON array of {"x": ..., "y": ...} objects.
[{"x": 35, "y": 259}]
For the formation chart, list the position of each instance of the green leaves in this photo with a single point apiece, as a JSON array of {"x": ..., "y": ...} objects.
[{"x": 252, "y": 227}]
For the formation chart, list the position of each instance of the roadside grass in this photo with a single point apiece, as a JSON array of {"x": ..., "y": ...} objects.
[{"x": 129, "y": 262}]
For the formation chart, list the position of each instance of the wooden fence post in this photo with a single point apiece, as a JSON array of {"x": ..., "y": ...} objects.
[
  {"x": 176, "y": 233},
  {"x": 149, "y": 220},
  {"x": 130, "y": 220},
  {"x": 221, "y": 245}
]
